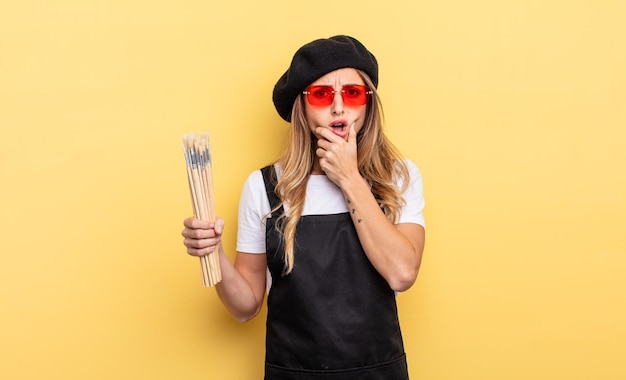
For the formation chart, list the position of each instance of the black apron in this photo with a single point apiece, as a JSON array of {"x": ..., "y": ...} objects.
[{"x": 334, "y": 316}]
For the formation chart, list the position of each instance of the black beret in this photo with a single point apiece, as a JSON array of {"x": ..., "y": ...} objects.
[{"x": 316, "y": 59}]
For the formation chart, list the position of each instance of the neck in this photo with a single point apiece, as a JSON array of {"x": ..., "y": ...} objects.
[{"x": 317, "y": 170}]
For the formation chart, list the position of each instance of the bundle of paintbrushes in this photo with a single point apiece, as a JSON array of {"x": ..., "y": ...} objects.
[{"x": 198, "y": 157}]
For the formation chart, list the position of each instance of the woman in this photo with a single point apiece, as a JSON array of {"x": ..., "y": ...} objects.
[{"x": 331, "y": 232}]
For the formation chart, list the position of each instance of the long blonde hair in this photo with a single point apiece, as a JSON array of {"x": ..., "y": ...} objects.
[{"x": 379, "y": 162}]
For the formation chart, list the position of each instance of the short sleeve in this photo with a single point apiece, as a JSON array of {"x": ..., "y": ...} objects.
[
  {"x": 254, "y": 208},
  {"x": 412, "y": 212}
]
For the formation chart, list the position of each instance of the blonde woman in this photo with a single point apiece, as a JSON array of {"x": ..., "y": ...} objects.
[{"x": 331, "y": 231}]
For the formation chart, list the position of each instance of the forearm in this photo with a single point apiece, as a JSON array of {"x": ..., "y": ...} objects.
[
  {"x": 237, "y": 293},
  {"x": 243, "y": 284},
  {"x": 395, "y": 255}
]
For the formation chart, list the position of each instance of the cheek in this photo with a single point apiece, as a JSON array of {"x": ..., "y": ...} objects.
[
  {"x": 313, "y": 117},
  {"x": 311, "y": 125},
  {"x": 360, "y": 121}
]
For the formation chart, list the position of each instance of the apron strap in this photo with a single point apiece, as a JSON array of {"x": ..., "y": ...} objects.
[{"x": 270, "y": 179}]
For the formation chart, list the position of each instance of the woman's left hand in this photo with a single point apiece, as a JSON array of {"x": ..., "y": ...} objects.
[{"x": 337, "y": 157}]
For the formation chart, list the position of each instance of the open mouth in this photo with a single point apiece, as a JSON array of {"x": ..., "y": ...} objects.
[{"x": 340, "y": 128}]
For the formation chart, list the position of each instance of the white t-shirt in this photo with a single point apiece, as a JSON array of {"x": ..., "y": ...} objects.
[{"x": 323, "y": 197}]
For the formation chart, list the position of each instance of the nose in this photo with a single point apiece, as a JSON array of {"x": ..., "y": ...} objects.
[{"x": 337, "y": 106}]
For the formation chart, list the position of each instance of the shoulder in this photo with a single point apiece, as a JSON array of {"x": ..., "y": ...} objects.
[
  {"x": 254, "y": 194},
  {"x": 255, "y": 179},
  {"x": 414, "y": 173},
  {"x": 413, "y": 194},
  {"x": 254, "y": 182}
]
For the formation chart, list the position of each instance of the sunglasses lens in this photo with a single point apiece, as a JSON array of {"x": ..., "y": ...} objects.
[
  {"x": 352, "y": 95},
  {"x": 320, "y": 95}
]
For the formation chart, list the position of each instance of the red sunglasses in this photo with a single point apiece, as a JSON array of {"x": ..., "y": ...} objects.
[{"x": 352, "y": 95}]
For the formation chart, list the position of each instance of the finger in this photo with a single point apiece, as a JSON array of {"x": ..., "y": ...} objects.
[
  {"x": 219, "y": 226},
  {"x": 320, "y": 152},
  {"x": 323, "y": 144},
  {"x": 198, "y": 233},
  {"x": 352, "y": 134},
  {"x": 195, "y": 244},
  {"x": 201, "y": 243},
  {"x": 200, "y": 251},
  {"x": 327, "y": 134},
  {"x": 196, "y": 223}
]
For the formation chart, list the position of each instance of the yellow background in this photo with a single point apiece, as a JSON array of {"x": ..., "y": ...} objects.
[{"x": 514, "y": 111}]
